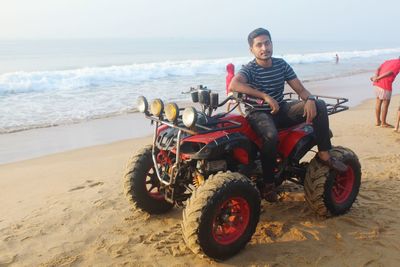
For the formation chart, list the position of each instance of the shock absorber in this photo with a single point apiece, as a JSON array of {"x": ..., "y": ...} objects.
[{"x": 198, "y": 178}]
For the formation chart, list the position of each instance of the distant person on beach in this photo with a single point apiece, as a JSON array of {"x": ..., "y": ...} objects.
[
  {"x": 264, "y": 77},
  {"x": 382, "y": 81},
  {"x": 336, "y": 58}
]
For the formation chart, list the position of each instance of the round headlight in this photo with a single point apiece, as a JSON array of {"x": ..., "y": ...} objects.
[
  {"x": 142, "y": 104},
  {"x": 189, "y": 117},
  {"x": 156, "y": 107},
  {"x": 171, "y": 112}
]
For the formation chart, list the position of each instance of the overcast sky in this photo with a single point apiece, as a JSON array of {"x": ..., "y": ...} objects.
[{"x": 296, "y": 19}]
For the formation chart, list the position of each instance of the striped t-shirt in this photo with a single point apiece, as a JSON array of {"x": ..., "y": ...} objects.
[{"x": 269, "y": 80}]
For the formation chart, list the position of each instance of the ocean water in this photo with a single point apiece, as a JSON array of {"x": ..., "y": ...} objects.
[{"x": 52, "y": 82}]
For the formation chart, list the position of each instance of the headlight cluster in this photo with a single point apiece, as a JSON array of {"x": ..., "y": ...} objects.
[{"x": 171, "y": 111}]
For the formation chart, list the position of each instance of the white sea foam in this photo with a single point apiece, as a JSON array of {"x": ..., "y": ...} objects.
[
  {"x": 24, "y": 82},
  {"x": 45, "y": 98}
]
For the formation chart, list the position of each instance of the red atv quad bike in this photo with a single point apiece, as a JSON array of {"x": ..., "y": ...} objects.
[{"x": 210, "y": 165}]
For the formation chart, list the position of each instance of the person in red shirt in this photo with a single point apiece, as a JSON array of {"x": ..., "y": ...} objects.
[{"x": 382, "y": 81}]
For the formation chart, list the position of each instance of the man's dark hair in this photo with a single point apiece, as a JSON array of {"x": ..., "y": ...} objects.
[{"x": 257, "y": 32}]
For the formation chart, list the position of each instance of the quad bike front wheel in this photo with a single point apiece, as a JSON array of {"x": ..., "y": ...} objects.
[
  {"x": 221, "y": 216},
  {"x": 141, "y": 185},
  {"x": 329, "y": 192}
]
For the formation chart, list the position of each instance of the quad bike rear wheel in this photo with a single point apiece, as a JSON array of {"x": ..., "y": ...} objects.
[
  {"x": 141, "y": 185},
  {"x": 221, "y": 216},
  {"x": 328, "y": 192}
]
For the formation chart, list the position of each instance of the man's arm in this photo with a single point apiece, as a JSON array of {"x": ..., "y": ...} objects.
[
  {"x": 239, "y": 84},
  {"x": 386, "y": 74},
  {"x": 310, "y": 110},
  {"x": 377, "y": 77},
  {"x": 298, "y": 87}
]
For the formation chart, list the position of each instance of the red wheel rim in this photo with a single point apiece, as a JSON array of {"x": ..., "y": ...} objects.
[
  {"x": 231, "y": 220},
  {"x": 343, "y": 185},
  {"x": 152, "y": 184}
]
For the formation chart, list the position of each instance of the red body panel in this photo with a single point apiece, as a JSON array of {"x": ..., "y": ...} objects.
[
  {"x": 205, "y": 138},
  {"x": 241, "y": 155},
  {"x": 161, "y": 128},
  {"x": 289, "y": 138},
  {"x": 244, "y": 129}
]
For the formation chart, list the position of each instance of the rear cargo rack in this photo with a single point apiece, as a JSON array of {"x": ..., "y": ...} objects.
[{"x": 333, "y": 104}]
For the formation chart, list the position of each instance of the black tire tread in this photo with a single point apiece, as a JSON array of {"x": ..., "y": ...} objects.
[
  {"x": 136, "y": 165},
  {"x": 198, "y": 202},
  {"x": 316, "y": 178}
]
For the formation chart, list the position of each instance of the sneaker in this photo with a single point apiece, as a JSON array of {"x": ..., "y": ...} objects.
[
  {"x": 269, "y": 193},
  {"x": 334, "y": 164}
]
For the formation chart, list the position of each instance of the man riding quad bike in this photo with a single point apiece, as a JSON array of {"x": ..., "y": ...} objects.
[{"x": 209, "y": 164}]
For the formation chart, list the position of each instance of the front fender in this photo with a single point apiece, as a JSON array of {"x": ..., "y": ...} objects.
[{"x": 217, "y": 148}]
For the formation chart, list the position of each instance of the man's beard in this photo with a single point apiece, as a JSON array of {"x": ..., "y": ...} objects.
[{"x": 265, "y": 58}]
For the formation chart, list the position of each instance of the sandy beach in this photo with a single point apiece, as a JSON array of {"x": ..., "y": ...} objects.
[{"x": 68, "y": 209}]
